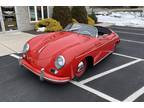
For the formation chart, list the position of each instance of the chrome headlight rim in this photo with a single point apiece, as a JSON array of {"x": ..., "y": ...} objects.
[
  {"x": 26, "y": 48},
  {"x": 60, "y": 62}
]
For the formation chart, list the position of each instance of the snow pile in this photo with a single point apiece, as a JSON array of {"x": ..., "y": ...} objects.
[
  {"x": 41, "y": 29},
  {"x": 132, "y": 19}
]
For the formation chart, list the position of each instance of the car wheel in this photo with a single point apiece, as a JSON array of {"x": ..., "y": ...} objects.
[{"x": 81, "y": 68}]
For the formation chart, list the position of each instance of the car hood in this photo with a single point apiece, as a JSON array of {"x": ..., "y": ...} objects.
[{"x": 48, "y": 45}]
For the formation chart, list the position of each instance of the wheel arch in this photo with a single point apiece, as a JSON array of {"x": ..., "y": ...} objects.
[{"x": 90, "y": 61}]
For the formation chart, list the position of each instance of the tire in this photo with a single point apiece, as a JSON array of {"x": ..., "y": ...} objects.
[{"x": 80, "y": 70}]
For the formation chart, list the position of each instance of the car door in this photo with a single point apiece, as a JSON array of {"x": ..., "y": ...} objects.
[
  {"x": 109, "y": 42},
  {"x": 101, "y": 48}
]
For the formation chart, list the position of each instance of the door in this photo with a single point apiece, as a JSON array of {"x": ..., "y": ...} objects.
[
  {"x": 110, "y": 43},
  {"x": 101, "y": 48},
  {"x": 105, "y": 48},
  {"x": 9, "y": 18}
]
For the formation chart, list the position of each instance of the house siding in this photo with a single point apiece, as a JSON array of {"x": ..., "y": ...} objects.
[{"x": 22, "y": 16}]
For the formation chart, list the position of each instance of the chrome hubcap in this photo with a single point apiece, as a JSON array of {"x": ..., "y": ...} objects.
[{"x": 80, "y": 66}]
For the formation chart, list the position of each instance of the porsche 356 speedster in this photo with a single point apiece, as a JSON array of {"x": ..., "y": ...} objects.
[{"x": 65, "y": 55}]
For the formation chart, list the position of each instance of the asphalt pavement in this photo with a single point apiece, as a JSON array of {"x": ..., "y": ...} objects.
[{"x": 119, "y": 77}]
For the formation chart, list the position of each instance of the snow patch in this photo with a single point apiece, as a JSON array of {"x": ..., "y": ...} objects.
[
  {"x": 132, "y": 19},
  {"x": 41, "y": 29}
]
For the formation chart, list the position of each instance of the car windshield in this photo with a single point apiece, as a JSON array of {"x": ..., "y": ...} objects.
[{"x": 82, "y": 29}]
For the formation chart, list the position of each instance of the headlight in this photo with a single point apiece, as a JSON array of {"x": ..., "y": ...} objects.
[
  {"x": 25, "y": 48},
  {"x": 60, "y": 62}
]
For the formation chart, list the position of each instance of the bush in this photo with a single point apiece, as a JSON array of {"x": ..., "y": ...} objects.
[
  {"x": 90, "y": 21},
  {"x": 80, "y": 14},
  {"x": 41, "y": 23},
  {"x": 62, "y": 14},
  {"x": 93, "y": 16},
  {"x": 50, "y": 24},
  {"x": 74, "y": 21}
]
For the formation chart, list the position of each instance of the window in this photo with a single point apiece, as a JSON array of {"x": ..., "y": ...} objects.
[
  {"x": 9, "y": 18},
  {"x": 45, "y": 12},
  {"x": 37, "y": 13},
  {"x": 32, "y": 13}
]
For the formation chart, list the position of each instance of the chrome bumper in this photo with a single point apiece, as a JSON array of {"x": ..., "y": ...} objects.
[{"x": 42, "y": 75}]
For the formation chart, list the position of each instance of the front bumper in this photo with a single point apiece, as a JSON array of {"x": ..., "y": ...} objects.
[{"x": 42, "y": 74}]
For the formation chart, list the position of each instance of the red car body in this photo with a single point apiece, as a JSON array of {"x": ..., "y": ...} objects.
[{"x": 74, "y": 47}]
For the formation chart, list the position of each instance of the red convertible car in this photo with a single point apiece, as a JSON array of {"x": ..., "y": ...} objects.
[{"x": 65, "y": 55}]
